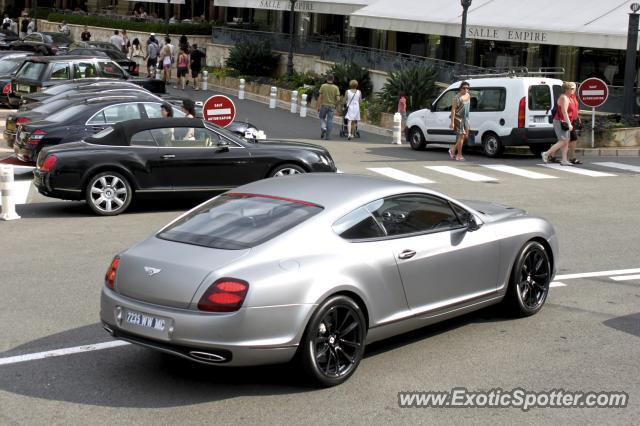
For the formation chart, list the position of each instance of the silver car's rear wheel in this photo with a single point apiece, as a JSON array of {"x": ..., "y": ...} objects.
[
  {"x": 286, "y": 170},
  {"x": 333, "y": 343},
  {"x": 530, "y": 279},
  {"x": 108, "y": 193}
]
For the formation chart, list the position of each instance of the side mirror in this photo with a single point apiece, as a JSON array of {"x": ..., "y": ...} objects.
[
  {"x": 222, "y": 146},
  {"x": 469, "y": 221},
  {"x": 433, "y": 107}
]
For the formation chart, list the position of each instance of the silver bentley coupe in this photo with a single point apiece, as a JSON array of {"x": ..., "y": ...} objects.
[{"x": 313, "y": 267}]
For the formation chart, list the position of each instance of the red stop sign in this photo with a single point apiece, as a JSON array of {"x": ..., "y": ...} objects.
[
  {"x": 593, "y": 92},
  {"x": 219, "y": 110}
]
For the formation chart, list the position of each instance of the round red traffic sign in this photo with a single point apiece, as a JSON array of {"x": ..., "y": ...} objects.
[
  {"x": 593, "y": 92},
  {"x": 219, "y": 109}
]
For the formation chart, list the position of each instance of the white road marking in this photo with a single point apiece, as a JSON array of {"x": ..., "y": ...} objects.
[
  {"x": 626, "y": 278},
  {"x": 576, "y": 170},
  {"x": 620, "y": 166},
  {"x": 598, "y": 274},
  {"x": 557, "y": 284},
  {"x": 475, "y": 177},
  {"x": 399, "y": 175},
  {"x": 61, "y": 352},
  {"x": 518, "y": 171}
]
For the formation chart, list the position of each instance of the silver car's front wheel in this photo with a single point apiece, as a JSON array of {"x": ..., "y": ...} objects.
[
  {"x": 108, "y": 193},
  {"x": 333, "y": 343},
  {"x": 530, "y": 279},
  {"x": 286, "y": 170}
]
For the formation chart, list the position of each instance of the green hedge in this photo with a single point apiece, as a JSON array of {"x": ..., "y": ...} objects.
[{"x": 106, "y": 22}]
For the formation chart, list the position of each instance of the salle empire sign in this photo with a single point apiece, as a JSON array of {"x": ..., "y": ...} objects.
[
  {"x": 303, "y": 6},
  {"x": 501, "y": 34}
]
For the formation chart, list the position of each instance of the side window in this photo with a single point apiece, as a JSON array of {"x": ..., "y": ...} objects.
[
  {"x": 110, "y": 69},
  {"x": 489, "y": 99},
  {"x": 358, "y": 225},
  {"x": 408, "y": 214},
  {"x": 84, "y": 70},
  {"x": 153, "y": 110},
  {"x": 539, "y": 98},
  {"x": 117, "y": 113},
  {"x": 144, "y": 138},
  {"x": 444, "y": 103},
  {"x": 60, "y": 71},
  {"x": 97, "y": 119}
]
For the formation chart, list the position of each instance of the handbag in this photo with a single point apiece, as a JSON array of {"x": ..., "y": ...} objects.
[
  {"x": 577, "y": 124},
  {"x": 564, "y": 125}
]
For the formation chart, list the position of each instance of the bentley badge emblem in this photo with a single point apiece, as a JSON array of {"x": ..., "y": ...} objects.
[{"x": 151, "y": 271}]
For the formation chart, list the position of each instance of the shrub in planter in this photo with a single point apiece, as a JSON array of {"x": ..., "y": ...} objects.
[
  {"x": 253, "y": 58},
  {"x": 416, "y": 81}
]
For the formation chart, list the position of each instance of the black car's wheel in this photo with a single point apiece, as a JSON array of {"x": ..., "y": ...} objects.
[
  {"x": 539, "y": 148},
  {"x": 530, "y": 279},
  {"x": 108, "y": 193},
  {"x": 333, "y": 342},
  {"x": 492, "y": 145},
  {"x": 416, "y": 139},
  {"x": 286, "y": 170}
]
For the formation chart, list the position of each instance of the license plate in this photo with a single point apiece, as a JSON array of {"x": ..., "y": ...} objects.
[
  {"x": 540, "y": 119},
  {"x": 146, "y": 321},
  {"x": 23, "y": 88}
]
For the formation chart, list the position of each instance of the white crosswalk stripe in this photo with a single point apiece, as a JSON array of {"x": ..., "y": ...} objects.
[
  {"x": 620, "y": 166},
  {"x": 475, "y": 177},
  {"x": 626, "y": 277},
  {"x": 577, "y": 170},
  {"x": 399, "y": 175},
  {"x": 517, "y": 171}
]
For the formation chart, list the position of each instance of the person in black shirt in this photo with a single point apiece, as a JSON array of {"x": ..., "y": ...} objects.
[
  {"x": 85, "y": 35},
  {"x": 196, "y": 65},
  {"x": 24, "y": 24}
]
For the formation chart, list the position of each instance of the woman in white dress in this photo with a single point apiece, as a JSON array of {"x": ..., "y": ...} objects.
[
  {"x": 352, "y": 98},
  {"x": 136, "y": 53}
]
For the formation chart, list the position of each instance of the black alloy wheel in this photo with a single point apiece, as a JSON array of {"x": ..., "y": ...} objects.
[
  {"x": 333, "y": 343},
  {"x": 530, "y": 279}
]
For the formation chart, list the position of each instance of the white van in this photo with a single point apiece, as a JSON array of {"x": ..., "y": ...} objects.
[{"x": 505, "y": 111}]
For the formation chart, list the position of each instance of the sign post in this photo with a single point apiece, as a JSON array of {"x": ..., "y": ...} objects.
[
  {"x": 593, "y": 92},
  {"x": 219, "y": 109}
]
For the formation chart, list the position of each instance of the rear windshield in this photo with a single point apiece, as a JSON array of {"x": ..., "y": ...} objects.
[
  {"x": 66, "y": 114},
  {"x": 8, "y": 66},
  {"x": 59, "y": 38},
  {"x": 239, "y": 221},
  {"x": 31, "y": 70}
]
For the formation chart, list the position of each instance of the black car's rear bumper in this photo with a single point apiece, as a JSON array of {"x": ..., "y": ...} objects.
[{"x": 43, "y": 183}]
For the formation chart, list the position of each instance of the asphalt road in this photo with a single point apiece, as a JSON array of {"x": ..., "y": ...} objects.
[{"x": 586, "y": 338}]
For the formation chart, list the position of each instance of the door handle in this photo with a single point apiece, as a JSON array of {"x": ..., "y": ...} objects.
[
  {"x": 168, "y": 156},
  {"x": 407, "y": 254}
]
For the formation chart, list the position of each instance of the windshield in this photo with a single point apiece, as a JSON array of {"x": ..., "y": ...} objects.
[
  {"x": 235, "y": 221},
  {"x": 8, "y": 66},
  {"x": 31, "y": 70},
  {"x": 66, "y": 114}
]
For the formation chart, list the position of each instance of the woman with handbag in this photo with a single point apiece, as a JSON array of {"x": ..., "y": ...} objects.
[
  {"x": 566, "y": 114},
  {"x": 352, "y": 112}
]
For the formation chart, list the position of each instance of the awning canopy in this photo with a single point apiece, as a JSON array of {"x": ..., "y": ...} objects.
[
  {"x": 584, "y": 23},
  {"x": 159, "y": 1},
  {"x": 334, "y": 7}
]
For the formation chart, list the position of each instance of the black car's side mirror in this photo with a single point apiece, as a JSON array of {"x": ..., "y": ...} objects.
[
  {"x": 469, "y": 221},
  {"x": 222, "y": 146}
]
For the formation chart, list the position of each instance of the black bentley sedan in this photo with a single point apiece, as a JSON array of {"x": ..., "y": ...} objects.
[
  {"x": 81, "y": 119},
  {"x": 43, "y": 43},
  {"x": 163, "y": 157}
]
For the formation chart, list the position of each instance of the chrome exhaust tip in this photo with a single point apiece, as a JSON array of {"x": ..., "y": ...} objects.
[{"x": 206, "y": 356}]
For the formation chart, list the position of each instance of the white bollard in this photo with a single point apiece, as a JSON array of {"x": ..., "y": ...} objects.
[
  {"x": 6, "y": 193},
  {"x": 158, "y": 74},
  {"x": 241, "y": 90},
  {"x": 205, "y": 80},
  {"x": 272, "y": 98},
  {"x": 294, "y": 101},
  {"x": 397, "y": 130},
  {"x": 303, "y": 105}
]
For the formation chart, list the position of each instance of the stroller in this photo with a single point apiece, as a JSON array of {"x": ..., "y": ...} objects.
[{"x": 344, "y": 129}]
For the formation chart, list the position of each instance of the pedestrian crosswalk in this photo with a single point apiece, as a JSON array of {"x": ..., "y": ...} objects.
[{"x": 497, "y": 172}]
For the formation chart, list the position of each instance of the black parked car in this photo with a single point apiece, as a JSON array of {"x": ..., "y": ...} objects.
[
  {"x": 44, "y": 43},
  {"x": 9, "y": 64},
  {"x": 82, "y": 119},
  {"x": 120, "y": 58},
  {"x": 6, "y": 37},
  {"x": 42, "y": 110},
  {"x": 162, "y": 157},
  {"x": 39, "y": 72},
  {"x": 91, "y": 44}
]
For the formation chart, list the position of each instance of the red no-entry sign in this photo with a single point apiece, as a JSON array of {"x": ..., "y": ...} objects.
[
  {"x": 219, "y": 110},
  {"x": 593, "y": 92}
]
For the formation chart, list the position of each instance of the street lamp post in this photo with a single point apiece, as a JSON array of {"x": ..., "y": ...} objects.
[
  {"x": 463, "y": 34},
  {"x": 291, "y": 31},
  {"x": 629, "y": 97},
  {"x": 167, "y": 15}
]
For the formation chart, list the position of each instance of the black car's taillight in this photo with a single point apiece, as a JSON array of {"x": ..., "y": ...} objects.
[
  {"x": 36, "y": 137},
  {"x": 49, "y": 163}
]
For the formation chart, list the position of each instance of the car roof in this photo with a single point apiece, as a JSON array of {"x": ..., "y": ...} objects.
[
  {"x": 507, "y": 81},
  {"x": 62, "y": 58},
  {"x": 320, "y": 188}
]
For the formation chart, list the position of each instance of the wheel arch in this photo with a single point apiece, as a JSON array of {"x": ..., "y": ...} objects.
[
  {"x": 536, "y": 239},
  {"x": 295, "y": 162},
  {"x": 108, "y": 168}
]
